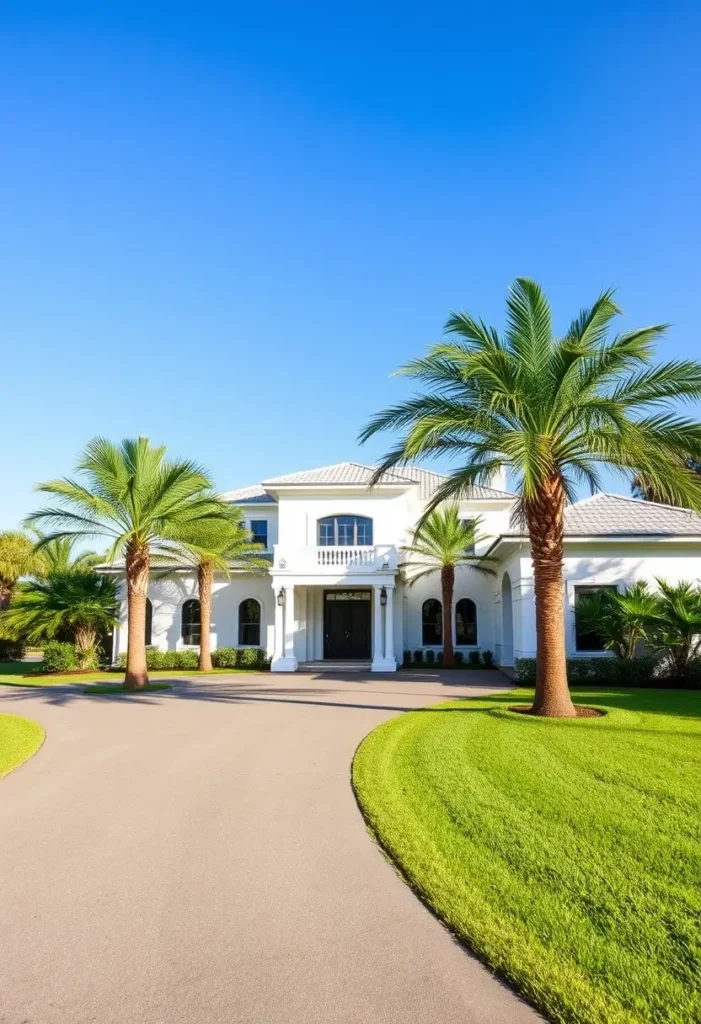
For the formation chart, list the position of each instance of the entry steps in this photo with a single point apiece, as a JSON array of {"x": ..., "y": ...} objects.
[{"x": 334, "y": 666}]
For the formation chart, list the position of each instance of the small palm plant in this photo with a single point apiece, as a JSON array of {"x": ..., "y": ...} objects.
[
  {"x": 441, "y": 543},
  {"x": 76, "y": 602},
  {"x": 677, "y": 628},
  {"x": 144, "y": 504},
  {"x": 624, "y": 622},
  {"x": 223, "y": 545},
  {"x": 17, "y": 558},
  {"x": 552, "y": 409}
]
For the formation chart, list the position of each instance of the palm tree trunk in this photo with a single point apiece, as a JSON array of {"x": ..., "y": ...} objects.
[
  {"x": 447, "y": 589},
  {"x": 205, "y": 577},
  {"x": 85, "y": 642},
  {"x": 138, "y": 563},
  {"x": 545, "y": 517}
]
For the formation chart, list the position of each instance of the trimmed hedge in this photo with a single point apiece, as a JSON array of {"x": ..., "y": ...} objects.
[
  {"x": 643, "y": 672},
  {"x": 59, "y": 657},
  {"x": 224, "y": 657}
]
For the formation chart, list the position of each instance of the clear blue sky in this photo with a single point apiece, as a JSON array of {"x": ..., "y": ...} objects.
[{"x": 224, "y": 225}]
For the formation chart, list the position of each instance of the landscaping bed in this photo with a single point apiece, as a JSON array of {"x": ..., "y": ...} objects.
[{"x": 566, "y": 853}]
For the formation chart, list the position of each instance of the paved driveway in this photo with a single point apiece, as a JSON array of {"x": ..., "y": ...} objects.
[{"x": 198, "y": 856}]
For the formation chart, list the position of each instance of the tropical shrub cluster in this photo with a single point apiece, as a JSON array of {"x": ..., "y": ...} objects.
[
  {"x": 12, "y": 650},
  {"x": 643, "y": 671},
  {"x": 60, "y": 656},
  {"x": 664, "y": 624}
]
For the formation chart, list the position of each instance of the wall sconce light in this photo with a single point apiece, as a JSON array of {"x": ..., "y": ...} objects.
[
  {"x": 281, "y": 597},
  {"x": 282, "y": 564},
  {"x": 383, "y": 596}
]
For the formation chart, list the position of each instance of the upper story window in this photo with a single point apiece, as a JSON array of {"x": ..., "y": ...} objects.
[
  {"x": 470, "y": 549},
  {"x": 259, "y": 529},
  {"x": 344, "y": 531}
]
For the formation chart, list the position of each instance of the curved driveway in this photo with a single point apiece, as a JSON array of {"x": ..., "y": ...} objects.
[{"x": 198, "y": 856}]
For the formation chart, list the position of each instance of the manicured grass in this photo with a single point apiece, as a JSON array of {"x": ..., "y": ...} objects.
[
  {"x": 566, "y": 854},
  {"x": 118, "y": 688},
  {"x": 12, "y": 673},
  {"x": 19, "y": 739}
]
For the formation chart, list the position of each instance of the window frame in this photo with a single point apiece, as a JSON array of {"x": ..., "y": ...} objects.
[
  {"x": 343, "y": 520},
  {"x": 438, "y": 628},
  {"x": 190, "y": 643},
  {"x": 458, "y": 642},
  {"x": 246, "y": 625},
  {"x": 588, "y": 586},
  {"x": 264, "y": 522}
]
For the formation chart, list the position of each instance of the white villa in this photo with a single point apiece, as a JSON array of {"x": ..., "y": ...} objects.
[{"x": 335, "y": 593}]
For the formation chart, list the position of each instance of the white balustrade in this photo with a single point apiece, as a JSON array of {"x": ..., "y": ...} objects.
[{"x": 335, "y": 559}]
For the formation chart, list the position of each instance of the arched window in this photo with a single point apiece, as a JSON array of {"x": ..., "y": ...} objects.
[
  {"x": 249, "y": 623},
  {"x": 191, "y": 631},
  {"x": 344, "y": 531},
  {"x": 149, "y": 623},
  {"x": 466, "y": 623},
  {"x": 431, "y": 623}
]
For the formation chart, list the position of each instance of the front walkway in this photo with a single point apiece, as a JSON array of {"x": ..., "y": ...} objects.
[{"x": 197, "y": 856}]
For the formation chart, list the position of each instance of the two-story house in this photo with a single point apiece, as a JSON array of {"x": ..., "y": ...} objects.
[{"x": 335, "y": 592}]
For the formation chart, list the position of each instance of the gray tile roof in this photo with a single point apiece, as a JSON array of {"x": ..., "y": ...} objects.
[
  {"x": 617, "y": 515},
  {"x": 340, "y": 473},
  {"x": 255, "y": 495},
  {"x": 354, "y": 474}
]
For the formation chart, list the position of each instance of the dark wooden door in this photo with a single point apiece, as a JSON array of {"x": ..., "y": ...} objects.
[{"x": 347, "y": 624}]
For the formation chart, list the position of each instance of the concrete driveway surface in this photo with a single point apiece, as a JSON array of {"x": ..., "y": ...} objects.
[{"x": 198, "y": 856}]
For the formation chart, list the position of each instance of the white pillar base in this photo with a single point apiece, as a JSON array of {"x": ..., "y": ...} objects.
[
  {"x": 283, "y": 664},
  {"x": 384, "y": 665}
]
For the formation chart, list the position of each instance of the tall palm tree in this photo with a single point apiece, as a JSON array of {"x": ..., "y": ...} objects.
[
  {"x": 552, "y": 410},
  {"x": 17, "y": 558},
  {"x": 144, "y": 503},
  {"x": 76, "y": 602},
  {"x": 220, "y": 545},
  {"x": 441, "y": 543}
]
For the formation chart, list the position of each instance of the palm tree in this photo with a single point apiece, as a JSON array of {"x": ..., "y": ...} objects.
[
  {"x": 219, "y": 545},
  {"x": 622, "y": 621},
  {"x": 17, "y": 558},
  {"x": 76, "y": 602},
  {"x": 677, "y": 630},
  {"x": 641, "y": 488},
  {"x": 552, "y": 410},
  {"x": 440, "y": 543},
  {"x": 144, "y": 504},
  {"x": 56, "y": 556}
]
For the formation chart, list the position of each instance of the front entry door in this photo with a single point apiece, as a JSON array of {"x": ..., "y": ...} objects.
[{"x": 347, "y": 623}]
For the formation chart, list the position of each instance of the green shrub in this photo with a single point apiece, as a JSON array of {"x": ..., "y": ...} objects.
[
  {"x": 12, "y": 650},
  {"x": 252, "y": 657},
  {"x": 407, "y": 657},
  {"x": 226, "y": 657},
  {"x": 645, "y": 671},
  {"x": 430, "y": 656},
  {"x": 418, "y": 656},
  {"x": 458, "y": 657},
  {"x": 186, "y": 659},
  {"x": 439, "y": 657},
  {"x": 474, "y": 657},
  {"x": 60, "y": 657},
  {"x": 488, "y": 659}
]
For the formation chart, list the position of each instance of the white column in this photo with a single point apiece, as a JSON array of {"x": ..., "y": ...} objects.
[
  {"x": 382, "y": 662},
  {"x": 389, "y": 627},
  {"x": 284, "y": 659}
]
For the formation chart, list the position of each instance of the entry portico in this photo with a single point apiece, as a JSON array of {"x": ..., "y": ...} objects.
[{"x": 335, "y": 615}]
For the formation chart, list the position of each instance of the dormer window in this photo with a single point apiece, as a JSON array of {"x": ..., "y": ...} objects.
[
  {"x": 344, "y": 531},
  {"x": 259, "y": 531}
]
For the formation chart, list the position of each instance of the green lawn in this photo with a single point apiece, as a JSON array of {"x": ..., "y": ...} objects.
[
  {"x": 567, "y": 854},
  {"x": 19, "y": 739},
  {"x": 118, "y": 688},
  {"x": 12, "y": 673}
]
